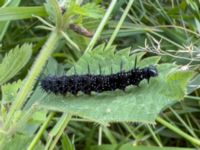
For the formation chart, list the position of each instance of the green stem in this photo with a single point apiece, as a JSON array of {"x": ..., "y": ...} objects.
[
  {"x": 33, "y": 74},
  {"x": 192, "y": 97},
  {"x": 71, "y": 43},
  {"x": 183, "y": 122},
  {"x": 154, "y": 136},
  {"x": 178, "y": 131},
  {"x": 167, "y": 39},
  {"x": 41, "y": 131},
  {"x": 101, "y": 26},
  {"x": 109, "y": 135},
  {"x": 58, "y": 15},
  {"x": 100, "y": 136},
  {"x": 57, "y": 131},
  {"x": 119, "y": 24}
]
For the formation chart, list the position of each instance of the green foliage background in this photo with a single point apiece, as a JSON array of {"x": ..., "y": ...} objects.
[{"x": 164, "y": 34}]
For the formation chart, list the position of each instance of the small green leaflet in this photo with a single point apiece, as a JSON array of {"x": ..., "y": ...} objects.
[{"x": 14, "y": 61}]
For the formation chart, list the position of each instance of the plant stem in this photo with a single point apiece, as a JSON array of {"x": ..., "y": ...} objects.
[
  {"x": 71, "y": 43},
  {"x": 100, "y": 136},
  {"x": 109, "y": 135},
  {"x": 178, "y": 131},
  {"x": 32, "y": 76},
  {"x": 41, "y": 131},
  {"x": 154, "y": 136},
  {"x": 192, "y": 97},
  {"x": 57, "y": 131},
  {"x": 101, "y": 26},
  {"x": 183, "y": 122},
  {"x": 119, "y": 24}
]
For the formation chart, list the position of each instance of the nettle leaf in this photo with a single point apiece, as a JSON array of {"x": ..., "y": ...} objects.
[
  {"x": 136, "y": 104},
  {"x": 92, "y": 10},
  {"x": 88, "y": 10},
  {"x": 90, "y": 24},
  {"x": 9, "y": 91},
  {"x": 14, "y": 61},
  {"x": 177, "y": 81}
]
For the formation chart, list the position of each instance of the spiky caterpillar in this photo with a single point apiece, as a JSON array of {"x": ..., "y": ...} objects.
[{"x": 97, "y": 83}]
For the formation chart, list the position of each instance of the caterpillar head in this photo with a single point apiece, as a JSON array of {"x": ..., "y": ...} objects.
[{"x": 150, "y": 71}]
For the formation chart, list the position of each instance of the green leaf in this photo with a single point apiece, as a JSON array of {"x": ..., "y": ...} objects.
[
  {"x": 9, "y": 91},
  {"x": 150, "y": 60},
  {"x": 14, "y": 61},
  {"x": 88, "y": 10},
  {"x": 4, "y": 25},
  {"x": 177, "y": 81},
  {"x": 54, "y": 11},
  {"x": 92, "y": 10},
  {"x": 15, "y": 13},
  {"x": 136, "y": 104},
  {"x": 30, "y": 126},
  {"x": 19, "y": 142},
  {"x": 90, "y": 24},
  {"x": 66, "y": 143}
]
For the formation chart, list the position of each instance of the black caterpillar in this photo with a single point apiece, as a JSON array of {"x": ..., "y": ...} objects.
[{"x": 97, "y": 83}]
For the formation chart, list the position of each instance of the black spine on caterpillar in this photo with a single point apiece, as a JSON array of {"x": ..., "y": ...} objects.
[{"x": 97, "y": 83}]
